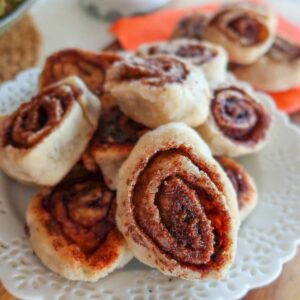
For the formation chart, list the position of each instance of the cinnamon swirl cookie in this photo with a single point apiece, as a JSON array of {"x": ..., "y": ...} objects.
[
  {"x": 114, "y": 139},
  {"x": 176, "y": 207},
  {"x": 72, "y": 228},
  {"x": 277, "y": 70},
  {"x": 160, "y": 89},
  {"x": 89, "y": 66},
  {"x": 191, "y": 26},
  {"x": 45, "y": 137},
  {"x": 238, "y": 123},
  {"x": 210, "y": 58},
  {"x": 246, "y": 31},
  {"x": 243, "y": 184}
]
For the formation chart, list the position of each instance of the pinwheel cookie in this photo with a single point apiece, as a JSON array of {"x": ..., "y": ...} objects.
[
  {"x": 243, "y": 184},
  {"x": 72, "y": 228},
  {"x": 245, "y": 30},
  {"x": 157, "y": 90},
  {"x": 45, "y": 137},
  {"x": 176, "y": 207},
  {"x": 191, "y": 26},
  {"x": 89, "y": 66},
  {"x": 277, "y": 70},
  {"x": 210, "y": 58},
  {"x": 113, "y": 141},
  {"x": 238, "y": 123}
]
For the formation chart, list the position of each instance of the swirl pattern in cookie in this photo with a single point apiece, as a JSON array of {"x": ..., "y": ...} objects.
[
  {"x": 72, "y": 228},
  {"x": 88, "y": 66},
  {"x": 176, "y": 207},
  {"x": 246, "y": 31},
  {"x": 243, "y": 184},
  {"x": 191, "y": 26},
  {"x": 282, "y": 63},
  {"x": 157, "y": 90},
  {"x": 114, "y": 139},
  {"x": 210, "y": 58},
  {"x": 238, "y": 123},
  {"x": 50, "y": 132},
  {"x": 284, "y": 50}
]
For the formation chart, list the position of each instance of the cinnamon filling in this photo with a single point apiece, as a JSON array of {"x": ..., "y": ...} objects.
[
  {"x": 244, "y": 27},
  {"x": 249, "y": 29},
  {"x": 191, "y": 26},
  {"x": 198, "y": 53},
  {"x": 90, "y": 67},
  {"x": 36, "y": 119},
  {"x": 116, "y": 128},
  {"x": 237, "y": 177},
  {"x": 238, "y": 116},
  {"x": 283, "y": 50},
  {"x": 153, "y": 71},
  {"x": 114, "y": 46},
  {"x": 82, "y": 210},
  {"x": 182, "y": 212}
]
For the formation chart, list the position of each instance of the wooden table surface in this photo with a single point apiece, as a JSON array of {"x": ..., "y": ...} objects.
[{"x": 286, "y": 287}]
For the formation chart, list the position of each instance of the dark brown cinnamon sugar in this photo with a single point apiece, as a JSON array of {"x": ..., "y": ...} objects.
[
  {"x": 197, "y": 52},
  {"x": 113, "y": 141},
  {"x": 152, "y": 71},
  {"x": 89, "y": 66},
  {"x": 241, "y": 181},
  {"x": 114, "y": 46},
  {"x": 116, "y": 128},
  {"x": 193, "y": 223},
  {"x": 36, "y": 119},
  {"x": 283, "y": 50},
  {"x": 115, "y": 137},
  {"x": 75, "y": 221},
  {"x": 191, "y": 26},
  {"x": 244, "y": 27},
  {"x": 82, "y": 210},
  {"x": 239, "y": 116}
]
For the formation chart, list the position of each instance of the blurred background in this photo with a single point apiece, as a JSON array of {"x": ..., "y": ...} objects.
[{"x": 83, "y": 23}]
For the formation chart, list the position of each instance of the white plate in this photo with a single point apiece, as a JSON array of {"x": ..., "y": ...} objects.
[{"x": 266, "y": 240}]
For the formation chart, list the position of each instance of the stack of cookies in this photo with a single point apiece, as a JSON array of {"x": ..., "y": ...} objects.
[
  {"x": 248, "y": 33},
  {"x": 132, "y": 153}
]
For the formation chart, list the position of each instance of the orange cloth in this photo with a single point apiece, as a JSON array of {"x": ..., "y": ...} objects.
[
  {"x": 288, "y": 101},
  {"x": 131, "y": 32}
]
